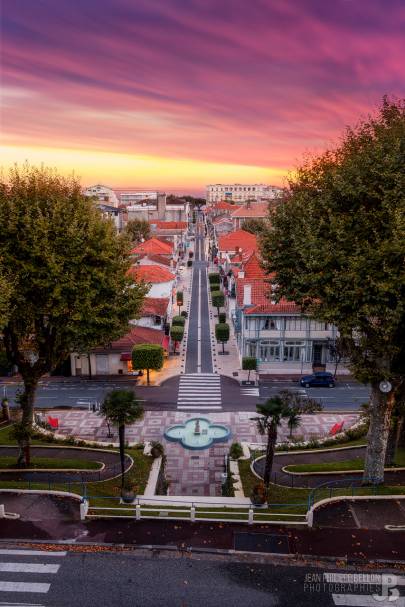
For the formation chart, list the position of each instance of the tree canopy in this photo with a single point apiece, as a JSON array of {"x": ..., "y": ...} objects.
[
  {"x": 337, "y": 247},
  {"x": 67, "y": 267},
  {"x": 137, "y": 230},
  {"x": 255, "y": 226}
]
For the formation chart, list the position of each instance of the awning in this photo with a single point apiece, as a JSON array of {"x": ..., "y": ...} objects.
[
  {"x": 166, "y": 342},
  {"x": 126, "y": 356}
]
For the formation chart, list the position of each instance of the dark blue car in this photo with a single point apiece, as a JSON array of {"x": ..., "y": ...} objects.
[{"x": 319, "y": 378}]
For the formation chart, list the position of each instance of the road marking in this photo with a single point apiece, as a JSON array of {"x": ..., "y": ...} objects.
[
  {"x": 199, "y": 318},
  {"x": 200, "y": 407},
  {"x": 24, "y": 587},
  {"x": 365, "y": 600},
  {"x": 29, "y": 567},
  {"x": 44, "y": 553}
]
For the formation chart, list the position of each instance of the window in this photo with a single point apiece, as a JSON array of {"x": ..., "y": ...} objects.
[
  {"x": 318, "y": 326},
  {"x": 269, "y": 323},
  {"x": 251, "y": 348},
  {"x": 295, "y": 323},
  {"x": 294, "y": 350},
  {"x": 269, "y": 350}
]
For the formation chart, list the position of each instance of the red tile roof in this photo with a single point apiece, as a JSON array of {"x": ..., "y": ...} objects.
[
  {"x": 283, "y": 307},
  {"x": 237, "y": 240},
  {"x": 152, "y": 273},
  {"x": 260, "y": 291},
  {"x": 153, "y": 245},
  {"x": 169, "y": 225},
  {"x": 257, "y": 209},
  {"x": 165, "y": 261},
  {"x": 136, "y": 335},
  {"x": 224, "y": 206},
  {"x": 155, "y": 306}
]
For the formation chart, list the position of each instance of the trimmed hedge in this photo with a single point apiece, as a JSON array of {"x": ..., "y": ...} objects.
[
  {"x": 213, "y": 278},
  {"x": 222, "y": 317},
  {"x": 218, "y": 299},
  {"x": 179, "y": 321}
]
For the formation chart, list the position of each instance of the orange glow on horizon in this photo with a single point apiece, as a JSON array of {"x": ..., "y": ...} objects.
[{"x": 129, "y": 170}]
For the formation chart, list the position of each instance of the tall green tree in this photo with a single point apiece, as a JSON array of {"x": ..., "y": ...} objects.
[
  {"x": 255, "y": 226},
  {"x": 337, "y": 246},
  {"x": 137, "y": 230},
  {"x": 120, "y": 407},
  {"x": 70, "y": 289}
]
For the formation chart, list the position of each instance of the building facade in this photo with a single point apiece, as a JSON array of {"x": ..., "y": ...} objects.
[
  {"x": 239, "y": 192},
  {"x": 104, "y": 195}
]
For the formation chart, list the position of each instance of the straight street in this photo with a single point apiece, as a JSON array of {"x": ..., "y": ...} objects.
[{"x": 63, "y": 578}]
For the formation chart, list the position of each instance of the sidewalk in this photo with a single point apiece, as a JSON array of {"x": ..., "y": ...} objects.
[
  {"x": 174, "y": 364},
  {"x": 50, "y": 518}
]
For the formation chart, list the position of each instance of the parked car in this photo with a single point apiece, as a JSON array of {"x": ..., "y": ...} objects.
[{"x": 319, "y": 378}]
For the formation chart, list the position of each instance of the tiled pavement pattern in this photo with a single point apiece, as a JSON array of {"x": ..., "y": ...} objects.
[{"x": 193, "y": 472}]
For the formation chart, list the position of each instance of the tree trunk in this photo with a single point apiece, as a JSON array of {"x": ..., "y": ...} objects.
[
  {"x": 89, "y": 363},
  {"x": 270, "y": 448},
  {"x": 223, "y": 347},
  {"x": 121, "y": 434},
  {"x": 401, "y": 433},
  {"x": 391, "y": 443},
  {"x": 27, "y": 406},
  {"x": 147, "y": 376},
  {"x": 248, "y": 374},
  {"x": 381, "y": 407}
]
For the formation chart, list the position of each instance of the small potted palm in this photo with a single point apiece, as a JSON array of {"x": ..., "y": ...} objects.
[
  {"x": 258, "y": 496},
  {"x": 128, "y": 491}
]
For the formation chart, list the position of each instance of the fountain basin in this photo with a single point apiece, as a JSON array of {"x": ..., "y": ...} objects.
[{"x": 207, "y": 433}]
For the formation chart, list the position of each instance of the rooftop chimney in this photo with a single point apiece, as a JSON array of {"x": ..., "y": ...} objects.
[{"x": 247, "y": 295}]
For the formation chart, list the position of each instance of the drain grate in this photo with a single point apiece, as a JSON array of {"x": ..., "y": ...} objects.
[{"x": 262, "y": 542}]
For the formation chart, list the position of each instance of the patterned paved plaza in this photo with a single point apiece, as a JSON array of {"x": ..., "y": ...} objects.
[{"x": 192, "y": 472}]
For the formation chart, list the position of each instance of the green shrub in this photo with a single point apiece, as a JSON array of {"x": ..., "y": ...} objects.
[
  {"x": 214, "y": 287},
  {"x": 189, "y": 263},
  {"x": 236, "y": 451},
  {"x": 179, "y": 298},
  {"x": 184, "y": 313},
  {"x": 214, "y": 278},
  {"x": 222, "y": 317},
  {"x": 179, "y": 321},
  {"x": 147, "y": 356},
  {"x": 249, "y": 363},
  {"x": 218, "y": 299}
]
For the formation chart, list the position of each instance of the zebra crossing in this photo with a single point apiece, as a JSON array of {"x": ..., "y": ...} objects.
[
  {"x": 199, "y": 392},
  {"x": 27, "y": 572},
  {"x": 250, "y": 391}
]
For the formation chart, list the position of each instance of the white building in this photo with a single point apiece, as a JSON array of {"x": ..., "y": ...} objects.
[
  {"x": 104, "y": 194},
  {"x": 239, "y": 192}
]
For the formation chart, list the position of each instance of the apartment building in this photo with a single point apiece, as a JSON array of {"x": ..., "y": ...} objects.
[
  {"x": 278, "y": 335},
  {"x": 239, "y": 192}
]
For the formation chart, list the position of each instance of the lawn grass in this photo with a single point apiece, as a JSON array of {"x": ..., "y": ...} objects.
[
  {"x": 295, "y": 500},
  {"x": 356, "y": 463},
  {"x": 9, "y": 462}
]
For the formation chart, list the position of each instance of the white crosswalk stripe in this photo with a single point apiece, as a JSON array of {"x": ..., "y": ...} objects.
[
  {"x": 33, "y": 567},
  {"x": 250, "y": 391},
  {"x": 199, "y": 392}
]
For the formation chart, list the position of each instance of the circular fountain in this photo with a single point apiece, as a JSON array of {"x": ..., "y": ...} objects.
[{"x": 197, "y": 433}]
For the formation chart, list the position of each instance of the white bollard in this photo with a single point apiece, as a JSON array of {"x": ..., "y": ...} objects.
[
  {"x": 138, "y": 512},
  {"x": 84, "y": 508},
  {"x": 192, "y": 514},
  {"x": 2, "y": 511},
  {"x": 250, "y": 518}
]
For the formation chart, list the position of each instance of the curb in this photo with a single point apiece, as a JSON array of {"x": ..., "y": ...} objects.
[{"x": 154, "y": 549}]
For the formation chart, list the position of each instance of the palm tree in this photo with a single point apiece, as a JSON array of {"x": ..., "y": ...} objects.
[
  {"x": 120, "y": 407},
  {"x": 293, "y": 419},
  {"x": 273, "y": 411},
  {"x": 286, "y": 405}
]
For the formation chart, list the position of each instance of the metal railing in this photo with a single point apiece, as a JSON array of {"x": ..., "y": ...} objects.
[{"x": 194, "y": 511}]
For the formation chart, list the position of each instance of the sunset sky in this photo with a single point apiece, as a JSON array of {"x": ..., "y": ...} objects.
[{"x": 180, "y": 93}]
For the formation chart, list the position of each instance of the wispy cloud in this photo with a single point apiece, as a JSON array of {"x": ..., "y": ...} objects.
[{"x": 254, "y": 82}]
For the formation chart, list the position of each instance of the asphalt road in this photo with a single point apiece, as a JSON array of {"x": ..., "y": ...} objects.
[
  {"x": 345, "y": 396},
  {"x": 77, "y": 393},
  {"x": 124, "y": 579}
]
